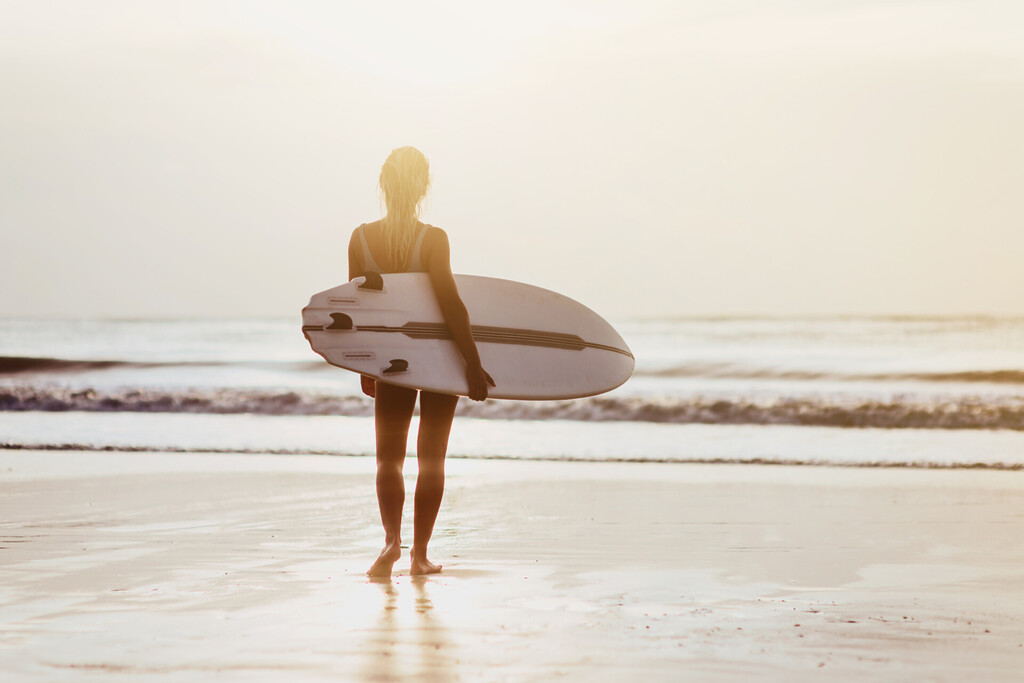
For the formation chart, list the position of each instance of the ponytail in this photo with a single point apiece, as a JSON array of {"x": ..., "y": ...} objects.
[{"x": 404, "y": 182}]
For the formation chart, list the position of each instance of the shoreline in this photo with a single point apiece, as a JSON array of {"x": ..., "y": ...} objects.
[
  {"x": 767, "y": 462},
  {"x": 168, "y": 566},
  {"x": 551, "y": 440}
]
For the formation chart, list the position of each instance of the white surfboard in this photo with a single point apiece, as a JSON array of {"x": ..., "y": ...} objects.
[{"x": 535, "y": 343}]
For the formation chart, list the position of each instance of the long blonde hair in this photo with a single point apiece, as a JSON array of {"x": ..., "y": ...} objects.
[{"x": 404, "y": 182}]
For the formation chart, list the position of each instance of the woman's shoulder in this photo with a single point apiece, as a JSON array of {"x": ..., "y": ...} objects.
[
  {"x": 435, "y": 243},
  {"x": 372, "y": 225},
  {"x": 366, "y": 228},
  {"x": 434, "y": 233}
]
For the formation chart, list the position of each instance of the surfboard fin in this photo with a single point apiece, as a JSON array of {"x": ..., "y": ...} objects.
[
  {"x": 397, "y": 365},
  {"x": 373, "y": 281},
  {"x": 341, "y": 322}
]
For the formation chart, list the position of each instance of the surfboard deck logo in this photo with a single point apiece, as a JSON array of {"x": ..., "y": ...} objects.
[{"x": 535, "y": 343}]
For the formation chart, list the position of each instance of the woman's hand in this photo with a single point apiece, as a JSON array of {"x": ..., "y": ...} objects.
[
  {"x": 369, "y": 385},
  {"x": 478, "y": 380}
]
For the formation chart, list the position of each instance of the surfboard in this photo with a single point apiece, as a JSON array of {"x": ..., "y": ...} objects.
[{"x": 535, "y": 343}]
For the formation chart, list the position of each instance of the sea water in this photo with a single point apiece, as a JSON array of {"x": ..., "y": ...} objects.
[{"x": 864, "y": 391}]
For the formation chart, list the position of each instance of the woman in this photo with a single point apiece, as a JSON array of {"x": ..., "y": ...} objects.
[{"x": 400, "y": 243}]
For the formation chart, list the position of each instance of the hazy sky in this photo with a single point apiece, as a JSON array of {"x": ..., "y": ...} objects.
[{"x": 208, "y": 158}]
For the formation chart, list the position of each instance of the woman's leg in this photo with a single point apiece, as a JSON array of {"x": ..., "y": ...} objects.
[
  {"x": 436, "y": 413},
  {"x": 392, "y": 412}
]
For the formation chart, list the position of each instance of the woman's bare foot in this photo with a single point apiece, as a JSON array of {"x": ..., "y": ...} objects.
[
  {"x": 388, "y": 557},
  {"x": 421, "y": 565}
]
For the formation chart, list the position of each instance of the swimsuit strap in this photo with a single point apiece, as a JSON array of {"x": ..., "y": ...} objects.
[
  {"x": 369, "y": 264},
  {"x": 416, "y": 265}
]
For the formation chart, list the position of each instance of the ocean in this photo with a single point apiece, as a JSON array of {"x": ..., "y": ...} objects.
[{"x": 839, "y": 391}]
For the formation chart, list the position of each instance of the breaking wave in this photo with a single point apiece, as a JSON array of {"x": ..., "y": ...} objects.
[
  {"x": 966, "y": 413},
  {"x": 14, "y": 364},
  {"x": 218, "y": 401},
  {"x": 10, "y": 365}
]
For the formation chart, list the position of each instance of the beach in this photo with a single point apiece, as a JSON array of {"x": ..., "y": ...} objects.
[
  {"x": 797, "y": 456},
  {"x": 194, "y": 566}
]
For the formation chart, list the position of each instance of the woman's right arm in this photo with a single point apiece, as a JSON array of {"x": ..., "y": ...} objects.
[{"x": 455, "y": 313}]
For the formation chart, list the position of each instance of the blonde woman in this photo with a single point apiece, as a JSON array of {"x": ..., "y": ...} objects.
[{"x": 400, "y": 243}]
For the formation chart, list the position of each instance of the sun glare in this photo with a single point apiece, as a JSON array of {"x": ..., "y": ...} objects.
[{"x": 421, "y": 44}]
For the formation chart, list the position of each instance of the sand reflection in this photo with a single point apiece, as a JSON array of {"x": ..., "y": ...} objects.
[{"x": 409, "y": 638}]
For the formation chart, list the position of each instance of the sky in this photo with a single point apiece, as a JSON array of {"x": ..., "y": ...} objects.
[{"x": 727, "y": 157}]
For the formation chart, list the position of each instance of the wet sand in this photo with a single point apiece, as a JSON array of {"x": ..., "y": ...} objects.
[{"x": 146, "y": 566}]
